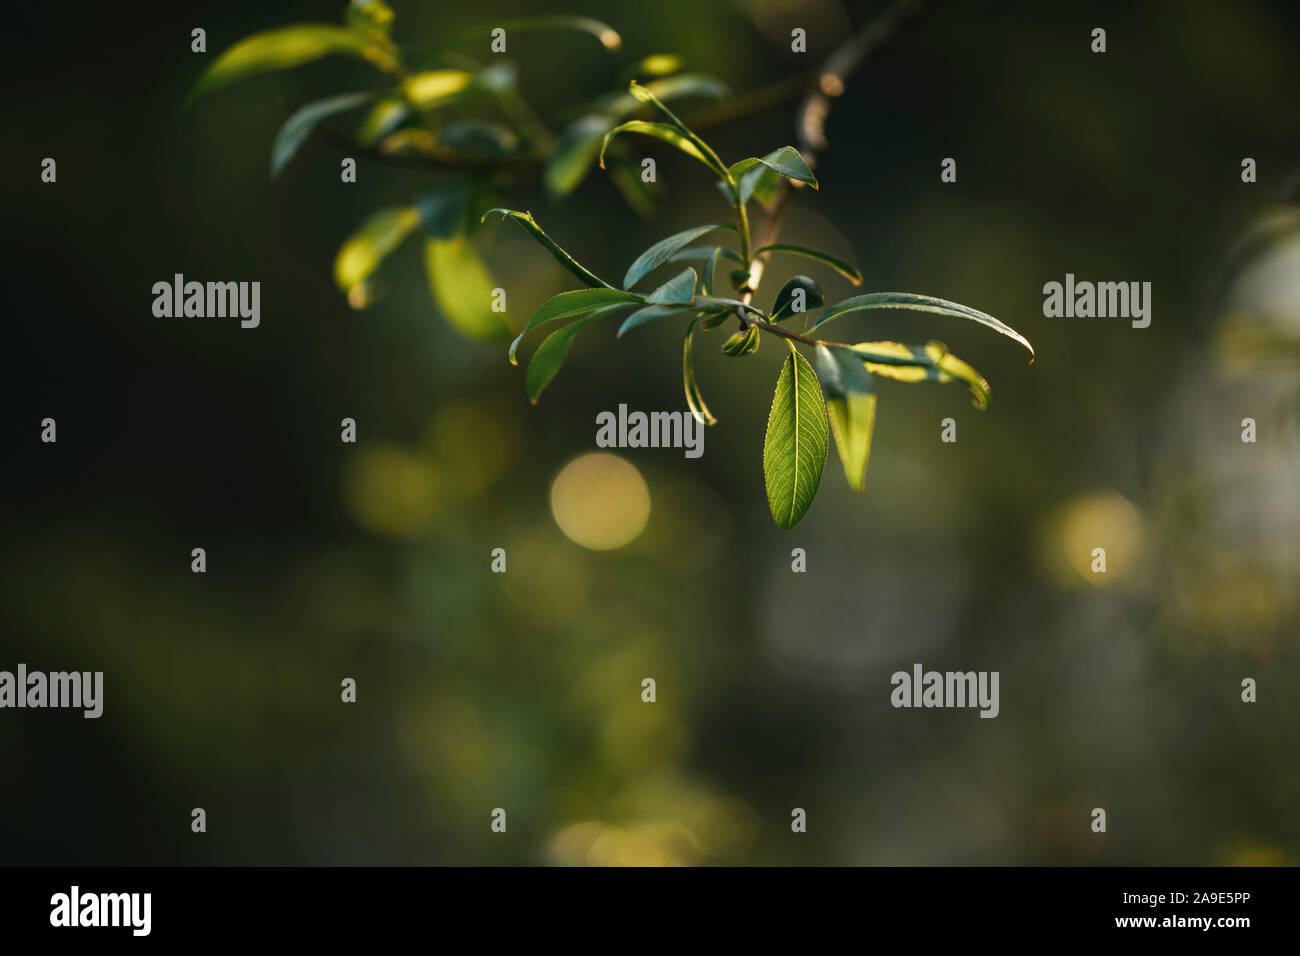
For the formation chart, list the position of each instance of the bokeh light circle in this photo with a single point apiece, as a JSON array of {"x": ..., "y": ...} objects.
[{"x": 600, "y": 501}]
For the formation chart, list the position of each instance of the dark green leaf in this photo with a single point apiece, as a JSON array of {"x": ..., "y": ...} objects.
[
  {"x": 694, "y": 399},
  {"x": 568, "y": 304},
  {"x": 650, "y": 313},
  {"x": 478, "y": 138},
  {"x": 550, "y": 355},
  {"x": 662, "y": 251},
  {"x": 787, "y": 305},
  {"x": 298, "y": 127},
  {"x": 839, "y": 265},
  {"x": 574, "y": 153},
  {"x": 921, "y": 303},
  {"x": 526, "y": 220},
  {"x": 292, "y": 46},
  {"x": 787, "y": 161},
  {"x": 794, "y": 449},
  {"x": 679, "y": 290}
]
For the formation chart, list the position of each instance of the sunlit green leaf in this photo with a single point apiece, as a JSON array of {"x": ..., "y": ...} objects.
[
  {"x": 794, "y": 449},
  {"x": 663, "y": 250},
  {"x": 550, "y": 355},
  {"x": 377, "y": 238},
  {"x": 566, "y": 305},
  {"x": 663, "y": 131},
  {"x": 787, "y": 300},
  {"x": 462, "y": 288},
  {"x": 694, "y": 398},
  {"x": 850, "y": 407},
  {"x": 526, "y": 220},
  {"x": 922, "y": 363},
  {"x": 292, "y": 46},
  {"x": 298, "y": 127},
  {"x": 920, "y": 303},
  {"x": 839, "y": 265},
  {"x": 435, "y": 87}
]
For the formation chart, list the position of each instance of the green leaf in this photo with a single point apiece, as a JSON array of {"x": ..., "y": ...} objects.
[
  {"x": 794, "y": 449},
  {"x": 743, "y": 342},
  {"x": 550, "y": 355},
  {"x": 462, "y": 288},
  {"x": 442, "y": 213},
  {"x": 366, "y": 248},
  {"x": 679, "y": 290},
  {"x": 787, "y": 161},
  {"x": 574, "y": 153},
  {"x": 922, "y": 363},
  {"x": 384, "y": 117},
  {"x": 298, "y": 127},
  {"x": 650, "y": 313},
  {"x": 705, "y": 252},
  {"x": 673, "y": 88},
  {"x": 753, "y": 180},
  {"x": 850, "y": 407},
  {"x": 920, "y": 303},
  {"x": 712, "y": 318},
  {"x": 526, "y": 220},
  {"x": 662, "y": 251},
  {"x": 433, "y": 88},
  {"x": 292, "y": 46},
  {"x": 372, "y": 16},
  {"x": 694, "y": 398},
  {"x": 839, "y": 265},
  {"x": 669, "y": 134},
  {"x": 784, "y": 306},
  {"x": 568, "y": 304}
]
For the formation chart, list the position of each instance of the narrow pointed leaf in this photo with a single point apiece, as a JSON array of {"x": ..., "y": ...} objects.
[
  {"x": 289, "y": 47},
  {"x": 794, "y": 449},
  {"x": 568, "y": 304},
  {"x": 922, "y": 363},
  {"x": 679, "y": 290},
  {"x": 694, "y": 398},
  {"x": 526, "y": 220},
  {"x": 651, "y": 312},
  {"x": 850, "y": 408},
  {"x": 647, "y": 95},
  {"x": 550, "y": 355},
  {"x": 662, "y": 251},
  {"x": 787, "y": 161},
  {"x": 676, "y": 87},
  {"x": 669, "y": 134},
  {"x": 435, "y": 87},
  {"x": 299, "y": 126},
  {"x": 839, "y": 265},
  {"x": 920, "y": 303}
]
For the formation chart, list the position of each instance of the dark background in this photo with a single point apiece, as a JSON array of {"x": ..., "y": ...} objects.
[{"x": 522, "y": 690}]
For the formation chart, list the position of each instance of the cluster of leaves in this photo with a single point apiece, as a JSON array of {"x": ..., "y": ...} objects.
[
  {"x": 468, "y": 121},
  {"x": 839, "y": 393},
  {"x": 442, "y": 106}
]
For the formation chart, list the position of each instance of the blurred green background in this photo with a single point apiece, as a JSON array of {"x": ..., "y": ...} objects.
[{"x": 522, "y": 691}]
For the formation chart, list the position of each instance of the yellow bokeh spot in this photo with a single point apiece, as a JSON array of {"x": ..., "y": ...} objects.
[
  {"x": 600, "y": 501},
  {"x": 391, "y": 491},
  {"x": 1104, "y": 522}
]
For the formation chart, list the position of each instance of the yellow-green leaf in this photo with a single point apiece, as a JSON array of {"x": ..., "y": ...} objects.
[
  {"x": 377, "y": 238},
  {"x": 292, "y": 46},
  {"x": 462, "y": 288},
  {"x": 794, "y": 449},
  {"x": 435, "y": 87}
]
